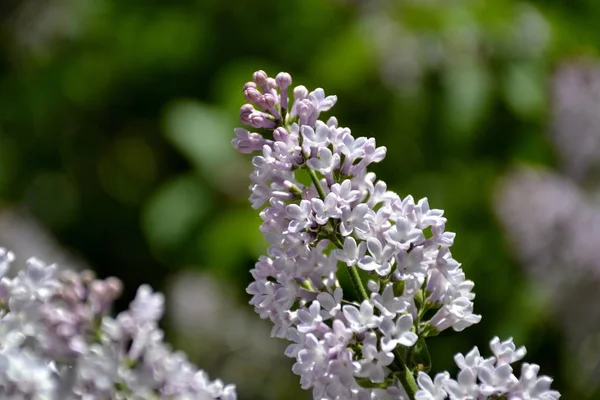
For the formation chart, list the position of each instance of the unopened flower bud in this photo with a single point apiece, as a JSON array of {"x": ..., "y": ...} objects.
[
  {"x": 271, "y": 83},
  {"x": 268, "y": 102},
  {"x": 245, "y": 111},
  {"x": 300, "y": 93},
  {"x": 249, "y": 85},
  {"x": 283, "y": 80},
  {"x": 253, "y": 95},
  {"x": 114, "y": 286},
  {"x": 260, "y": 77},
  {"x": 280, "y": 134},
  {"x": 248, "y": 142},
  {"x": 261, "y": 120},
  {"x": 87, "y": 276}
]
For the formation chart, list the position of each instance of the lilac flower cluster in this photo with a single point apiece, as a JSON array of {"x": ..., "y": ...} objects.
[
  {"x": 57, "y": 341},
  {"x": 407, "y": 52},
  {"x": 575, "y": 118},
  {"x": 483, "y": 378},
  {"x": 324, "y": 209}
]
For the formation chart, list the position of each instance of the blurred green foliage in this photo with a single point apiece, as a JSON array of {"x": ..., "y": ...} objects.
[{"x": 116, "y": 118}]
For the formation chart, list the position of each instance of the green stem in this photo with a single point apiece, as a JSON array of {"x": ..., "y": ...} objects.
[
  {"x": 296, "y": 190},
  {"x": 357, "y": 283},
  {"x": 315, "y": 179}
]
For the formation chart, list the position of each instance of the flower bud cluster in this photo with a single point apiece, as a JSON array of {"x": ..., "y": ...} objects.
[
  {"x": 326, "y": 214},
  {"x": 484, "y": 378},
  {"x": 57, "y": 341}
]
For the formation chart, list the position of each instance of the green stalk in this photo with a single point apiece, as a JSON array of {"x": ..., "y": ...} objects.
[{"x": 315, "y": 179}]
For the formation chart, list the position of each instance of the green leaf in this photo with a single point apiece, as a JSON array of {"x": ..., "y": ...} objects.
[
  {"x": 202, "y": 134},
  {"x": 398, "y": 288},
  {"x": 467, "y": 98},
  {"x": 171, "y": 213},
  {"x": 524, "y": 89},
  {"x": 421, "y": 359},
  {"x": 367, "y": 384}
]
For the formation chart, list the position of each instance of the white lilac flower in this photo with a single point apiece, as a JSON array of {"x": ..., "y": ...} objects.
[
  {"x": 380, "y": 257},
  {"x": 532, "y": 387},
  {"x": 397, "y": 333},
  {"x": 355, "y": 219},
  {"x": 481, "y": 378},
  {"x": 387, "y": 303},
  {"x": 496, "y": 380},
  {"x": 347, "y": 207},
  {"x": 331, "y": 303},
  {"x": 432, "y": 389},
  {"x": 360, "y": 320},
  {"x": 351, "y": 252},
  {"x": 311, "y": 360},
  {"x": 310, "y": 319},
  {"x": 326, "y": 209},
  {"x": 58, "y": 342},
  {"x": 23, "y": 374},
  {"x": 374, "y": 361},
  {"x": 506, "y": 351},
  {"x": 471, "y": 361},
  {"x": 323, "y": 214},
  {"x": 464, "y": 387}
]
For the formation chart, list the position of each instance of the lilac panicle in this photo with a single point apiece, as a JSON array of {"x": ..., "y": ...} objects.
[
  {"x": 58, "y": 341},
  {"x": 325, "y": 214}
]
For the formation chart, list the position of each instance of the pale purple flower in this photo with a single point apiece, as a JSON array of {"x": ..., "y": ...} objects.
[
  {"x": 326, "y": 161},
  {"x": 314, "y": 138},
  {"x": 431, "y": 389},
  {"x": 331, "y": 303},
  {"x": 355, "y": 219},
  {"x": 496, "y": 380},
  {"x": 404, "y": 234},
  {"x": 387, "y": 303},
  {"x": 361, "y": 319},
  {"x": 506, "y": 351},
  {"x": 465, "y": 387},
  {"x": 248, "y": 142},
  {"x": 326, "y": 209},
  {"x": 397, "y": 332},
  {"x": 532, "y": 387},
  {"x": 59, "y": 342},
  {"x": 346, "y": 195},
  {"x": 379, "y": 259},
  {"x": 300, "y": 216},
  {"x": 310, "y": 319},
  {"x": 374, "y": 362},
  {"x": 351, "y": 252}
]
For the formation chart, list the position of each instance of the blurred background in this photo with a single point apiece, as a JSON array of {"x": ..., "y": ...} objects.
[{"x": 115, "y": 126}]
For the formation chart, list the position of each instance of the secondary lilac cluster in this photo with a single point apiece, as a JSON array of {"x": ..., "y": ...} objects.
[
  {"x": 575, "y": 103},
  {"x": 325, "y": 213},
  {"x": 57, "y": 341},
  {"x": 484, "y": 378},
  {"x": 562, "y": 204}
]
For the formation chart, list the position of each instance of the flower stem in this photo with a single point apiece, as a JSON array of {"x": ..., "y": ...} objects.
[
  {"x": 315, "y": 179},
  {"x": 357, "y": 283}
]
